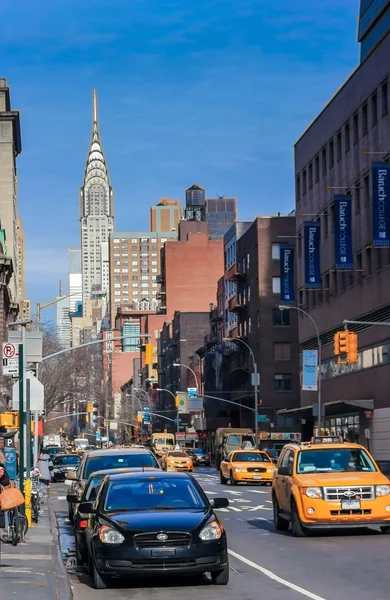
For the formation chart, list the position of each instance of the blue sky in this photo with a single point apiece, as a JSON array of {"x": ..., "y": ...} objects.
[{"x": 207, "y": 91}]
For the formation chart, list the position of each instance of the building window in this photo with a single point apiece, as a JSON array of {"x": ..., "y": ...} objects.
[
  {"x": 339, "y": 148},
  {"x": 374, "y": 109},
  {"x": 385, "y": 100},
  {"x": 357, "y": 196},
  {"x": 355, "y": 128},
  {"x": 134, "y": 241},
  {"x": 134, "y": 278},
  {"x": 365, "y": 119},
  {"x": 276, "y": 285},
  {"x": 323, "y": 160},
  {"x": 298, "y": 188},
  {"x": 310, "y": 176},
  {"x": 144, "y": 248},
  {"x": 282, "y": 351},
  {"x": 134, "y": 255},
  {"x": 154, "y": 241},
  {"x": 144, "y": 277},
  {"x": 125, "y": 270},
  {"x": 331, "y": 154},
  {"x": 116, "y": 241},
  {"x": 134, "y": 263},
  {"x": 276, "y": 251},
  {"x": 117, "y": 293},
  {"x": 317, "y": 168},
  {"x": 347, "y": 137},
  {"x": 117, "y": 270},
  {"x": 134, "y": 270},
  {"x": 154, "y": 285},
  {"x": 163, "y": 240},
  {"x": 366, "y": 190},
  {"x": 304, "y": 182},
  {"x": 153, "y": 270},
  {"x": 117, "y": 255},
  {"x": 369, "y": 261},
  {"x": 283, "y": 382}
]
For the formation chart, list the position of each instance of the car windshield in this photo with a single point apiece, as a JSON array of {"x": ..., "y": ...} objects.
[
  {"x": 197, "y": 451},
  {"x": 165, "y": 441},
  {"x": 119, "y": 461},
  {"x": 178, "y": 455},
  {"x": 250, "y": 457},
  {"x": 331, "y": 460},
  {"x": 54, "y": 450},
  {"x": 141, "y": 494},
  {"x": 69, "y": 459}
]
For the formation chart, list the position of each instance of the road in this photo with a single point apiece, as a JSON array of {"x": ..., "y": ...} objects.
[{"x": 263, "y": 563}]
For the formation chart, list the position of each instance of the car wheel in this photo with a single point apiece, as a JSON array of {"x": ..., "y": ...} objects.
[
  {"x": 232, "y": 480},
  {"x": 385, "y": 529},
  {"x": 221, "y": 577},
  {"x": 280, "y": 523},
  {"x": 222, "y": 478},
  {"x": 99, "y": 582},
  {"x": 297, "y": 528}
]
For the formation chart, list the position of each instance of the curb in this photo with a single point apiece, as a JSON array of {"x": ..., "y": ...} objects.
[{"x": 63, "y": 588}]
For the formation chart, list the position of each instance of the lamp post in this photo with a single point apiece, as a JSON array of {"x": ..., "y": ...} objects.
[
  {"x": 177, "y": 408},
  {"x": 286, "y": 307},
  {"x": 192, "y": 371}
]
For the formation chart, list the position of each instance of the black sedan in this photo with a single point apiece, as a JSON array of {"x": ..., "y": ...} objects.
[
  {"x": 64, "y": 464},
  {"x": 202, "y": 457},
  {"x": 152, "y": 524}
]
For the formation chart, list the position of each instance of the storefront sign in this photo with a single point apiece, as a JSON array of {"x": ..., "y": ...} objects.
[
  {"x": 312, "y": 240},
  {"x": 381, "y": 204},
  {"x": 287, "y": 291},
  {"x": 343, "y": 232},
  {"x": 285, "y": 436}
]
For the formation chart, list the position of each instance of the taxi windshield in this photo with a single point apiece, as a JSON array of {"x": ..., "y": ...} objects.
[
  {"x": 334, "y": 460},
  {"x": 178, "y": 455},
  {"x": 250, "y": 457}
]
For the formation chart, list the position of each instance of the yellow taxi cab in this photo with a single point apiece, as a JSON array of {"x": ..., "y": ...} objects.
[
  {"x": 326, "y": 484},
  {"x": 177, "y": 460},
  {"x": 247, "y": 466}
]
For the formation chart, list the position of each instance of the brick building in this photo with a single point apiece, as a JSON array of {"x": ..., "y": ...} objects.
[{"x": 337, "y": 151}]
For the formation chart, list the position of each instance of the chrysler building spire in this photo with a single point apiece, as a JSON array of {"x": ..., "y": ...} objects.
[{"x": 96, "y": 214}]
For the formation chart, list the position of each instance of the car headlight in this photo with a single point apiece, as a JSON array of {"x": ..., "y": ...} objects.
[
  {"x": 314, "y": 492},
  {"x": 382, "y": 490},
  {"x": 108, "y": 535},
  {"x": 212, "y": 531},
  {"x": 239, "y": 470}
]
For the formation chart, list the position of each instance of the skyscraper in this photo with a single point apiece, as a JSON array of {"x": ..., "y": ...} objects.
[
  {"x": 96, "y": 215},
  {"x": 62, "y": 321},
  {"x": 75, "y": 279},
  {"x": 221, "y": 213}
]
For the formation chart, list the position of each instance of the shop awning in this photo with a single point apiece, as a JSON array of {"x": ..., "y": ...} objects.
[{"x": 333, "y": 407}]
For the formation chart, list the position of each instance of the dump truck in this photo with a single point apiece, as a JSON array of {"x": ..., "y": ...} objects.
[{"x": 228, "y": 439}]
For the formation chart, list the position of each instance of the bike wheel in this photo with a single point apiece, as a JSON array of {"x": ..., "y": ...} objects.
[
  {"x": 14, "y": 526},
  {"x": 35, "y": 510}
]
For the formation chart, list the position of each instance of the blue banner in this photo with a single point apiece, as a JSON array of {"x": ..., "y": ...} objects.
[
  {"x": 381, "y": 204},
  {"x": 287, "y": 291},
  {"x": 343, "y": 232},
  {"x": 312, "y": 240},
  {"x": 310, "y": 370}
]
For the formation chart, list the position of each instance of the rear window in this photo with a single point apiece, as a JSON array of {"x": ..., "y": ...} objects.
[
  {"x": 119, "y": 461},
  {"x": 66, "y": 460}
]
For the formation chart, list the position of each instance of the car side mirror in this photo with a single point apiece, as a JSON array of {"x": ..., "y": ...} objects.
[
  {"x": 86, "y": 508},
  {"x": 284, "y": 471},
  {"x": 73, "y": 498},
  {"x": 72, "y": 475},
  {"x": 220, "y": 503}
]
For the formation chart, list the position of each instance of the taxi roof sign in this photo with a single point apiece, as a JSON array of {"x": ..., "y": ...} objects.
[{"x": 327, "y": 439}]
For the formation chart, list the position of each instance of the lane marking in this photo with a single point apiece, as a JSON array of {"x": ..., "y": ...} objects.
[
  {"x": 271, "y": 575},
  {"x": 260, "y": 519},
  {"x": 235, "y": 508},
  {"x": 269, "y": 501},
  {"x": 232, "y": 492},
  {"x": 208, "y": 492},
  {"x": 258, "y": 492},
  {"x": 61, "y": 497},
  {"x": 26, "y": 556},
  {"x": 222, "y": 509}
]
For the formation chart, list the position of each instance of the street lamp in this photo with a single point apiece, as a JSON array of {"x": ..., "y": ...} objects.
[
  {"x": 177, "y": 414},
  {"x": 286, "y": 307},
  {"x": 255, "y": 382},
  {"x": 192, "y": 371}
]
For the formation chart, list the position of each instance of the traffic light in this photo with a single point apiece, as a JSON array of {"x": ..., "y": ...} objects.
[
  {"x": 352, "y": 347},
  {"x": 139, "y": 417},
  {"x": 336, "y": 344},
  {"x": 148, "y": 354},
  {"x": 90, "y": 407},
  {"x": 177, "y": 401}
]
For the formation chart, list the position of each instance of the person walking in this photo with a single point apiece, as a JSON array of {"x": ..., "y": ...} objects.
[
  {"x": 45, "y": 467},
  {"x": 4, "y": 482}
]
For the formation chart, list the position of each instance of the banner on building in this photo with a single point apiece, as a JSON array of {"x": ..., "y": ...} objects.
[
  {"x": 381, "y": 204},
  {"x": 310, "y": 370},
  {"x": 287, "y": 288},
  {"x": 183, "y": 403},
  {"x": 312, "y": 240},
  {"x": 343, "y": 232}
]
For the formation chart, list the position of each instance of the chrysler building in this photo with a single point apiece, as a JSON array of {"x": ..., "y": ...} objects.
[{"x": 96, "y": 216}]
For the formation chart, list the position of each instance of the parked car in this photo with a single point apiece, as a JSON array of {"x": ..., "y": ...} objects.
[
  {"x": 63, "y": 464},
  {"x": 144, "y": 524},
  {"x": 100, "y": 460}
]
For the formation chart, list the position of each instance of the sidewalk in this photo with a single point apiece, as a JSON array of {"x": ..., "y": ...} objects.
[{"x": 35, "y": 568}]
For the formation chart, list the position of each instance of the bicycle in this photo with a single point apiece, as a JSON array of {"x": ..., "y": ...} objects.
[
  {"x": 35, "y": 497},
  {"x": 13, "y": 526}
]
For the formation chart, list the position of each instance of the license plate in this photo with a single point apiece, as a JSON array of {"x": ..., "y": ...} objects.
[
  {"x": 256, "y": 476},
  {"x": 350, "y": 504}
]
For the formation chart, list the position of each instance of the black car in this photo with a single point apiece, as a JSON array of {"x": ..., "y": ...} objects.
[
  {"x": 63, "y": 464},
  {"x": 100, "y": 460},
  {"x": 202, "y": 457},
  {"x": 80, "y": 520},
  {"x": 53, "y": 451},
  {"x": 154, "y": 524}
]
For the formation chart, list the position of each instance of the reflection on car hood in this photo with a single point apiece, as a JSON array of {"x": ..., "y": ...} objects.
[
  {"x": 174, "y": 520},
  {"x": 356, "y": 478}
]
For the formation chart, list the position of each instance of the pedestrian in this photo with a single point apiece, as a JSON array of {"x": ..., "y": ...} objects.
[
  {"x": 45, "y": 467},
  {"x": 4, "y": 482}
]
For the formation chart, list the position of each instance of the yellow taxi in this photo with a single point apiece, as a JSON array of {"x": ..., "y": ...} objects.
[
  {"x": 177, "y": 460},
  {"x": 328, "y": 483},
  {"x": 247, "y": 466}
]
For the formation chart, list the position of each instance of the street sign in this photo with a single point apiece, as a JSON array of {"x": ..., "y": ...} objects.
[
  {"x": 255, "y": 379},
  {"x": 262, "y": 419},
  {"x": 192, "y": 392},
  {"x": 98, "y": 436},
  {"x": 183, "y": 402},
  {"x": 147, "y": 415},
  {"x": 10, "y": 461},
  {"x": 37, "y": 394},
  {"x": 10, "y": 359},
  {"x": 34, "y": 342}
]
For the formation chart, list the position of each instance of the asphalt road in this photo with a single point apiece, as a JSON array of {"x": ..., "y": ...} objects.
[{"x": 265, "y": 564}]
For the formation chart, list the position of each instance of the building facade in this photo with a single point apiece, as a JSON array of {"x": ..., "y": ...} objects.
[
  {"x": 374, "y": 24},
  {"x": 165, "y": 216},
  {"x": 62, "y": 321},
  {"x": 336, "y": 152},
  {"x": 96, "y": 215},
  {"x": 221, "y": 213}
]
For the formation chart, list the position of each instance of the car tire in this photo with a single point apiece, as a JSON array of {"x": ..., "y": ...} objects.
[
  {"x": 99, "y": 582},
  {"x": 385, "y": 529},
  {"x": 223, "y": 479},
  {"x": 280, "y": 523},
  {"x": 297, "y": 528},
  {"x": 221, "y": 577},
  {"x": 232, "y": 480}
]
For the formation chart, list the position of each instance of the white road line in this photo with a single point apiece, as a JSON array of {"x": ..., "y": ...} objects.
[
  {"x": 222, "y": 509},
  {"x": 271, "y": 575},
  {"x": 260, "y": 519},
  {"x": 26, "y": 556},
  {"x": 61, "y": 497},
  {"x": 257, "y": 492},
  {"x": 235, "y": 509},
  {"x": 232, "y": 492},
  {"x": 208, "y": 492}
]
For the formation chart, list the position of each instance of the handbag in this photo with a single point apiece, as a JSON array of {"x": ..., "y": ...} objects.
[{"x": 11, "y": 498}]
